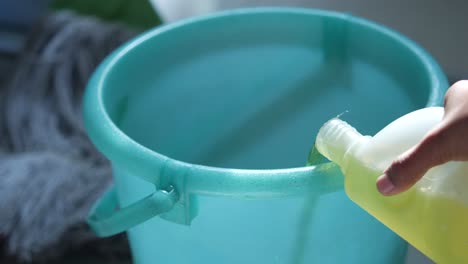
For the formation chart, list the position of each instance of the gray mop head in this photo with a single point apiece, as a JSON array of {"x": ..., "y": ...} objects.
[{"x": 50, "y": 173}]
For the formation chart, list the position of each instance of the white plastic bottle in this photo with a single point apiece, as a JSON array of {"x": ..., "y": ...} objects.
[{"x": 432, "y": 215}]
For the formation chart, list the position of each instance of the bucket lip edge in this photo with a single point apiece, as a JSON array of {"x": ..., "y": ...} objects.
[{"x": 113, "y": 148}]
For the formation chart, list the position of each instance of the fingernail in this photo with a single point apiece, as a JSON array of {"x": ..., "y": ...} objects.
[{"x": 384, "y": 185}]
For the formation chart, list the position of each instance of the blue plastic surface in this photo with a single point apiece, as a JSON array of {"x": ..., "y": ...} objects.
[{"x": 243, "y": 93}]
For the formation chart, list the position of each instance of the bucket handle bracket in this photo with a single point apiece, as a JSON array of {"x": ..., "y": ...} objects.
[{"x": 106, "y": 218}]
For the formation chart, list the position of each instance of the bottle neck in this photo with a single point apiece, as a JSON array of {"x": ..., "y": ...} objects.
[{"x": 335, "y": 138}]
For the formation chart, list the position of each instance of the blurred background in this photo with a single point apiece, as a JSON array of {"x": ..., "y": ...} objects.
[
  {"x": 56, "y": 44},
  {"x": 435, "y": 24}
]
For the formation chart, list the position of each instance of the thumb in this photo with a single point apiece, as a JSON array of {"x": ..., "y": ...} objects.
[{"x": 411, "y": 166}]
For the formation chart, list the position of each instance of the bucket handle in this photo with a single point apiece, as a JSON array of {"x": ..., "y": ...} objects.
[{"x": 107, "y": 219}]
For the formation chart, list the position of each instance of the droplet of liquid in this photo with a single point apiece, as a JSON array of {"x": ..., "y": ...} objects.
[{"x": 315, "y": 158}]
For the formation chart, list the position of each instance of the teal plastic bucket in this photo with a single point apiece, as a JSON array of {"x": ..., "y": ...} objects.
[{"x": 208, "y": 123}]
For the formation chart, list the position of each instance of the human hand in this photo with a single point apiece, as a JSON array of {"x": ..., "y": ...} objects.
[{"x": 448, "y": 141}]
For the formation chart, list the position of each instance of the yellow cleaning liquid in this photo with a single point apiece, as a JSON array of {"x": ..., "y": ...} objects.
[
  {"x": 432, "y": 215},
  {"x": 434, "y": 224}
]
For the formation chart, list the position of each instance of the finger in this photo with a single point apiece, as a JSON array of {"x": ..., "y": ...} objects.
[{"x": 411, "y": 166}]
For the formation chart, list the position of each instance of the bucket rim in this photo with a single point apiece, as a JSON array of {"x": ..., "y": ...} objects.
[{"x": 152, "y": 166}]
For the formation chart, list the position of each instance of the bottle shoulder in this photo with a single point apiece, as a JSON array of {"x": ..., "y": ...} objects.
[{"x": 399, "y": 136}]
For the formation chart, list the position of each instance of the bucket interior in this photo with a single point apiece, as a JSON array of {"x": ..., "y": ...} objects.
[
  {"x": 249, "y": 95},
  {"x": 251, "y": 91}
]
